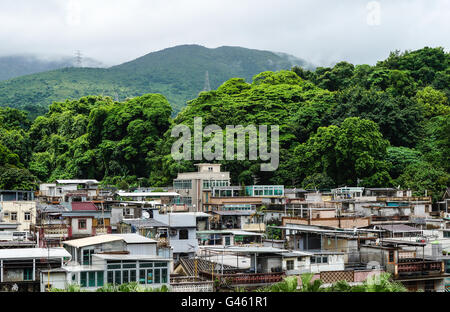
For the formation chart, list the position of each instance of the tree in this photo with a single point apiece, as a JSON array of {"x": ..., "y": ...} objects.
[
  {"x": 423, "y": 176},
  {"x": 354, "y": 150}
]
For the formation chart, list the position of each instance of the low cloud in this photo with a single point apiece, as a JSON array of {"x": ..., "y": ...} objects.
[{"x": 323, "y": 32}]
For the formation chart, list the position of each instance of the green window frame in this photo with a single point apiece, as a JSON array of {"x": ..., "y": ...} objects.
[
  {"x": 125, "y": 277},
  {"x": 83, "y": 279},
  {"x": 132, "y": 275},
  {"x": 91, "y": 279},
  {"x": 28, "y": 274},
  {"x": 157, "y": 279},
  {"x": 164, "y": 275},
  {"x": 110, "y": 275},
  {"x": 142, "y": 277},
  {"x": 100, "y": 278},
  {"x": 149, "y": 276},
  {"x": 117, "y": 277}
]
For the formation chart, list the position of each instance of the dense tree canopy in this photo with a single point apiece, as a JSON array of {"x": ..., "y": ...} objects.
[{"x": 382, "y": 125}]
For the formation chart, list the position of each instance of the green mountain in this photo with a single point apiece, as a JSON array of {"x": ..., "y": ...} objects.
[{"x": 179, "y": 73}]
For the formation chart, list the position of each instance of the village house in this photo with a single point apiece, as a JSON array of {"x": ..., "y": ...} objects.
[
  {"x": 18, "y": 207},
  {"x": 20, "y": 268},
  {"x": 111, "y": 259}
]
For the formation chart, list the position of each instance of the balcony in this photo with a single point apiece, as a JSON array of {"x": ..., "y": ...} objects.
[
  {"x": 245, "y": 278},
  {"x": 254, "y": 227},
  {"x": 418, "y": 267}
]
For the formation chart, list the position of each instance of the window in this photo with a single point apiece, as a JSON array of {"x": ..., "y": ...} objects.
[
  {"x": 184, "y": 234},
  {"x": 117, "y": 277},
  {"x": 163, "y": 275},
  {"x": 110, "y": 277},
  {"x": 27, "y": 216},
  {"x": 290, "y": 264},
  {"x": 100, "y": 278},
  {"x": 82, "y": 224},
  {"x": 91, "y": 279},
  {"x": 87, "y": 253},
  {"x": 182, "y": 184},
  {"x": 13, "y": 216},
  {"x": 391, "y": 256},
  {"x": 28, "y": 274},
  {"x": 157, "y": 276},
  {"x": 6, "y": 214},
  {"x": 83, "y": 279}
]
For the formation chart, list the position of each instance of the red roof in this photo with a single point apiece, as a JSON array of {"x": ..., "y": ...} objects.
[{"x": 83, "y": 206}]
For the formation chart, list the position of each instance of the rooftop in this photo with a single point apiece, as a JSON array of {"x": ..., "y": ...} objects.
[
  {"x": 83, "y": 206},
  {"x": 130, "y": 257},
  {"x": 148, "y": 194},
  {"x": 132, "y": 238},
  {"x": 235, "y": 213},
  {"x": 144, "y": 223},
  {"x": 26, "y": 253},
  {"x": 93, "y": 240},
  {"x": 246, "y": 249},
  {"x": 398, "y": 228},
  {"x": 234, "y": 232},
  {"x": 77, "y": 181}
]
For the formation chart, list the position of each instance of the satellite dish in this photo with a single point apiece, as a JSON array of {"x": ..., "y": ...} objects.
[{"x": 146, "y": 215}]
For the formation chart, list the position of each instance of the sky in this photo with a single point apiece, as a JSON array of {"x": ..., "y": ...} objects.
[{"x": 320, "y": 31}]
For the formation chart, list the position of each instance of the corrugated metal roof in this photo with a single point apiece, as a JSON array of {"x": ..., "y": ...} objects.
[
  {"x": 148, "y": 194},
  {"x": 130, "y": 257},
  {"x": 24, "y": 253},
  {"x": 132, "y": 238},
  {"x": 93, "y": 240},
  {"x": 86, "y": 214},
  {"x": 144, "y": 223},
  {"x": 247, "y": 249},
  {"x": 234, "y": 232},
  {"x": 235, "y": 213},
  {"x": 398, "y": 228},
  {"x": 79, "y": 181}
]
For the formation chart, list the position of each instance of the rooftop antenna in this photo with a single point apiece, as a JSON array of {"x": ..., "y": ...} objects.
[
  {"x": 207, "y": 86},
  {"x": 78, "y": 59}
]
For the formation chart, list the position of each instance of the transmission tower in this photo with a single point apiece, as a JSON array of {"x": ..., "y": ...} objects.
[
  {"x": 78, "y": 59},
  {"x": 207, "y": 86}
]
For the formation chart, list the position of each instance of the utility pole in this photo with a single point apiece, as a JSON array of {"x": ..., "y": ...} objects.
[
  {"x": 78, "y": 59},
  {"x": 207, "y": 86}
]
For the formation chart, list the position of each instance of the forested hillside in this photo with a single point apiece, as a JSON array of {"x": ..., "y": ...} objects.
[
  {"x": 178, "y": 73},
  {"x": 383, "y": 125}
]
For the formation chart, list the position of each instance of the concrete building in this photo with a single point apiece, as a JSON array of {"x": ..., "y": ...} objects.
[
  {"x": 22, "y": 213},
  {"x": 190, "y": 185},
  {"x": 20, "y": 268}
]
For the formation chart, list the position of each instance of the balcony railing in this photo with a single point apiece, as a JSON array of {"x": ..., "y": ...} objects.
[
  {"x": 246, "y": 278},
  {"x": 411, "y": 266}
]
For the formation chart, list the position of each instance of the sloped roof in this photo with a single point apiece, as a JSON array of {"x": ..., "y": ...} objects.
[
  {"x": 77, "y": 181},
  {"x": 83, "y": 206},
  {"x": 23, "y": 253},
  {"x": 188, "y": 265},
  {"x": 398, "y": 228},
  {"x": 93, "y": 240},
  {"x": 144, "y": 223},
  {"x": 132, "y": 238}
]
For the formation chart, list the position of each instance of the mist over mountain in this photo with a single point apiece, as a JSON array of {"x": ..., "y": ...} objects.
[
  {"x": 13, "y": 66},
  {"x": 179, "y": 73}
]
